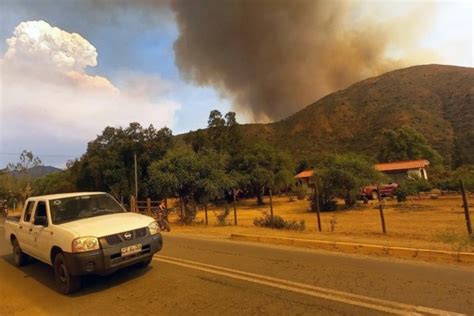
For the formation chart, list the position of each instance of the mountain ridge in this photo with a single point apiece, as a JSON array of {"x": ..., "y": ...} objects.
[{"x": 436, "y": 100}]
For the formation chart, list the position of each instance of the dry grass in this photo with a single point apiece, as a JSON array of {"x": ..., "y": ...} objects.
[{"x": 429, "y": 224}]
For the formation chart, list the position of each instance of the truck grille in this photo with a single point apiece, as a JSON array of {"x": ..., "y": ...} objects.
[{"x": 121, "y": 237}]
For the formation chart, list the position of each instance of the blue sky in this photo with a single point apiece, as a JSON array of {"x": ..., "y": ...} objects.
[
  {"x": 149, "y": 49},
  {"x": 136, "y": 57}
]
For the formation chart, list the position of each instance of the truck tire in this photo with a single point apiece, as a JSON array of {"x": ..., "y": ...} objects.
[
  {"x": 19, "y": 256},
  {"x": 65, "y": 282}
]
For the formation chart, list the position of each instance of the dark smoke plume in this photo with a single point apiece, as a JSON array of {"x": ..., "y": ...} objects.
[{"x": 273, "y": 57}]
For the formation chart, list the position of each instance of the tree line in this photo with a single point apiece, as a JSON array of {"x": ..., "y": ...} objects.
[{"x": 215, "y": 164}]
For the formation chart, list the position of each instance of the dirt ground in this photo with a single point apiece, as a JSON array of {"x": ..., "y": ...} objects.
[{"x": 418, "y": 223}]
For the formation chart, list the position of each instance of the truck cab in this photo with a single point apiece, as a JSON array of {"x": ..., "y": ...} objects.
[{"x": 81, "y": 233}]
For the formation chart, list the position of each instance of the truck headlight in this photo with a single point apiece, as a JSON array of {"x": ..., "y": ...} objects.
[
  {"x": 153, "y": 228},
  {"x": 83, "y": 244}
]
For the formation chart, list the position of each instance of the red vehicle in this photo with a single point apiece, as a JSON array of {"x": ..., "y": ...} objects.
[{"x": 370, "y": 191}]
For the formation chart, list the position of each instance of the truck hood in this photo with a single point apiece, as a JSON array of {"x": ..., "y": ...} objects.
[{"x": 105, "y": 225}]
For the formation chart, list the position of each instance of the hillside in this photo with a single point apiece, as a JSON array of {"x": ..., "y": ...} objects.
[
  {"x": 39, "y": 171},
  {"x": 436, "y": 100}
]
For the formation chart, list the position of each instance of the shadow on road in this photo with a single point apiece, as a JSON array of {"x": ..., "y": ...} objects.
[{"x": 44, "y": 274}]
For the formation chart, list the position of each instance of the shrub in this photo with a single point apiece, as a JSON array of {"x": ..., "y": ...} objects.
[
  {"x": 324, "y": 205},
  {"x": 458, "y": 242},
  {"x": 402, "y": 192},
  {"x": 294, "y": 225},
  {"x": 411, "y": 187},
  {"x": 278, "y": 223},
  {"x": 465, "y": 173}
]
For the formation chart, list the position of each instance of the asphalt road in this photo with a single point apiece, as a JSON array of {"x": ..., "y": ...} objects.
[{"x": 208, "y": 276}]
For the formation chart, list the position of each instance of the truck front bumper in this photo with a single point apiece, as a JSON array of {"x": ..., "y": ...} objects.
[{"x": 107, "y": 260}]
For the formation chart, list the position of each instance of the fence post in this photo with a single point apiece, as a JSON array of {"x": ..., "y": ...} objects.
[
  {"x": 318, "y": 210},
  {"x": 235, "y": 207},
  {"x": 132, "y": 204},
  {"x": 382, "y": 218},
  {"x": 466, "y": 208},
  {"x": 205, "y": 213},
  {"x": 148, "y": 206}
]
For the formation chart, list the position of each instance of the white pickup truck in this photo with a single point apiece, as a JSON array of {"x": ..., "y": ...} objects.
[{"x": 81, "y": 233}]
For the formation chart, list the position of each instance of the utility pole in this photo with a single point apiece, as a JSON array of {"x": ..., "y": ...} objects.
[{"x": 136, "y": 176}]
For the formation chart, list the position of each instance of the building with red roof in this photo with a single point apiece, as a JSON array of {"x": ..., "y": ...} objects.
[{"x": 397, "y": 170}]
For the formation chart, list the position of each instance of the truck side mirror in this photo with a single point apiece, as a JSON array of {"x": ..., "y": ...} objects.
[{"x": 41, "y": 221}]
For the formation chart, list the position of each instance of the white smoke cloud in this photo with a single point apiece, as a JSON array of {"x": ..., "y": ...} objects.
[
  {"x": 46, "y": 94},
  {"x": 41, "y": 43}
]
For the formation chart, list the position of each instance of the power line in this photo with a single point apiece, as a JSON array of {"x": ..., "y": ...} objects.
[{"x": 41, "y": 155}]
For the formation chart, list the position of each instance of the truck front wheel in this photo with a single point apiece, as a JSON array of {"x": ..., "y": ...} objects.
[
  {"x": 65, "y": 282},
  {"x": 19, "y": 256}
]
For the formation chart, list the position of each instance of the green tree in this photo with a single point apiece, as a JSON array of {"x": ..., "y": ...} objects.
[
  {"x": 465, "y": 173},
  {"x": 405, "y": 143},
  {"x": 214, "y": 180},
  {"x": 198, "y": 140},
  {"x": 261, "y": 166},
  {"x": 223, "y": 134},
  {"x": 21, "y": 183},
  {"x": 27, "y": 160},
  {"x": 56, "y": 182},
  {"x": 193, "y": 177},
  {"x": 460, "y": 157},
  {"x": 216, "y": 130},
  {"x": 342, "y": 176},
  {"x": 108, "y": 164},
  {"x": 177, "y": 173},
  {"x": 234, "y": 137}
]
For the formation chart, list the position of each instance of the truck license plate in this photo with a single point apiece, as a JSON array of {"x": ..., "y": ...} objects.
[{"x": 130, "y": 250}]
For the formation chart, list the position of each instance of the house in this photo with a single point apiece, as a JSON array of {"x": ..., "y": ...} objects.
[
  {"x": 400, "y": 170},
  {"x": 304, "y": 177},
  {"x": 397, "y": 171}
]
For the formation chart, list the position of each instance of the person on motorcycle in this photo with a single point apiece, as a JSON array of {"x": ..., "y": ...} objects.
[{"x": 162, "y": 218}]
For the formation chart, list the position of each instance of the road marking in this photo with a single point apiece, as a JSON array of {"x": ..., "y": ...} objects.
[{"x": 315, "y": 291}]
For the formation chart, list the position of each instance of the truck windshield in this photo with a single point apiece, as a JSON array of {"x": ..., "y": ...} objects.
[{"x": 83, "y": 206}]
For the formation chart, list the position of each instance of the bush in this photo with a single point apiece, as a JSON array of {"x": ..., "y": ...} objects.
[
  {"x": 465, "y": 173},
  {"x": 278, "y": 223},
  {"x": 411, "y": 187},
  {"x": 324, "y": 205},
  {"x": 402, "y": 193}
]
